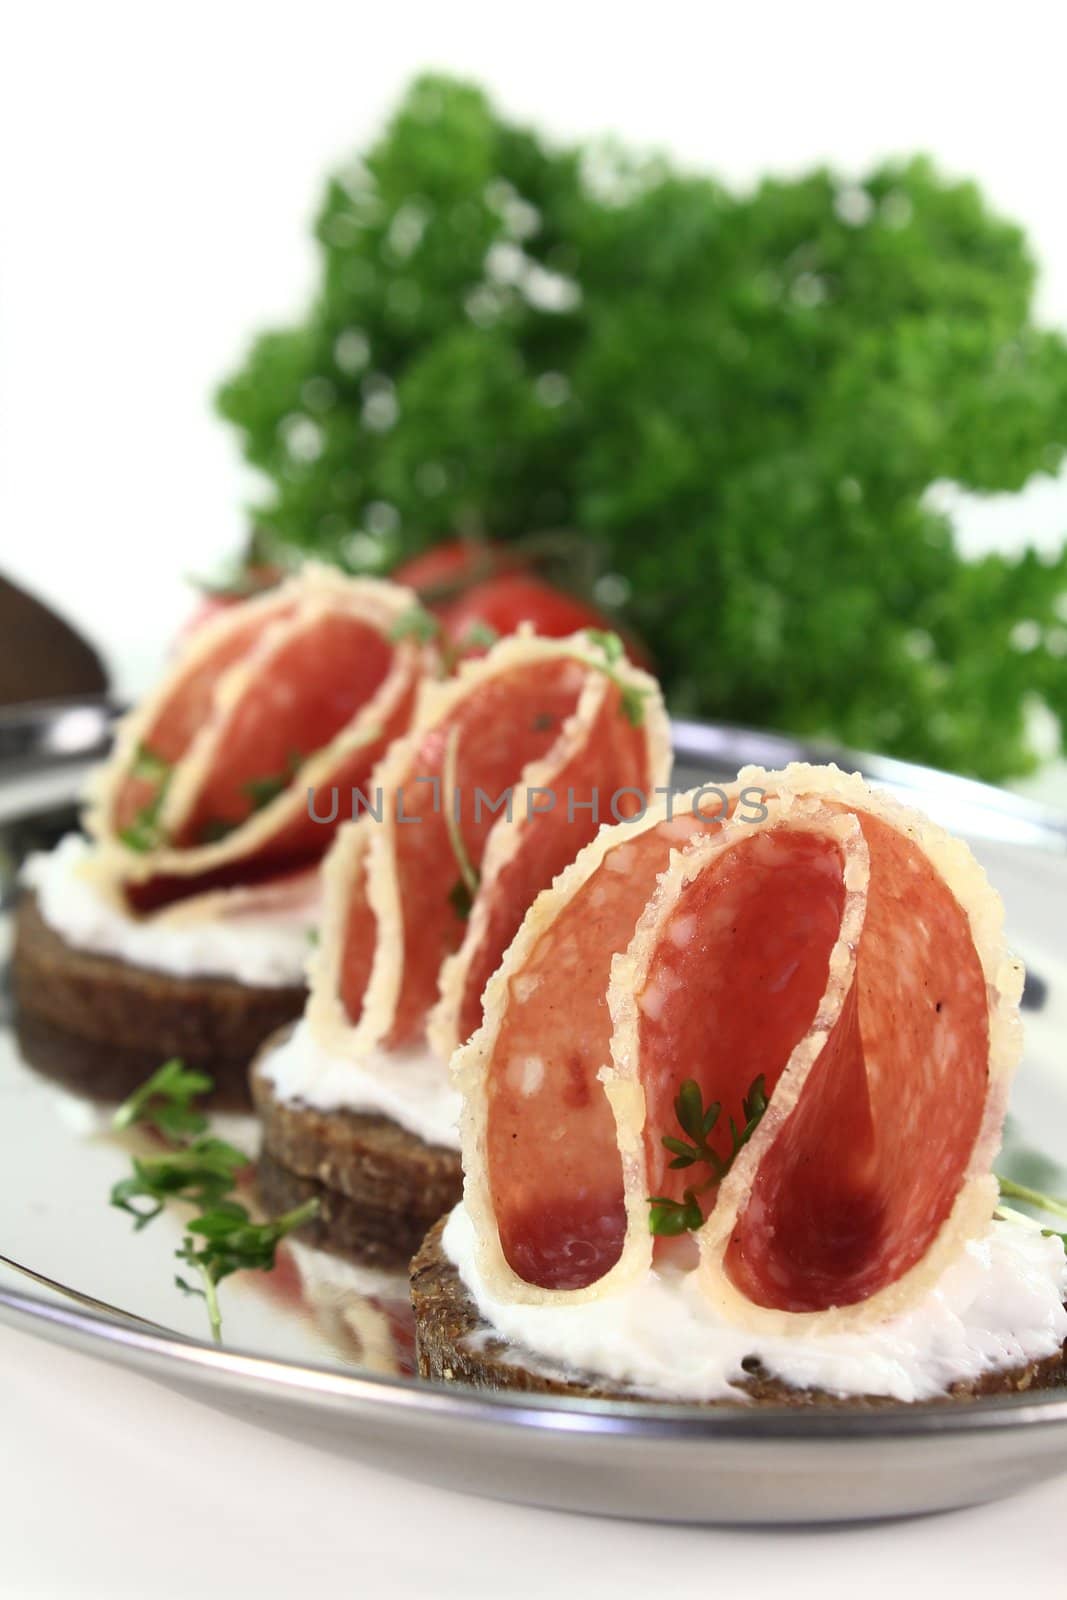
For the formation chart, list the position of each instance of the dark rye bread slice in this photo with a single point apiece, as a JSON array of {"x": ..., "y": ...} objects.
[
  {"x": 379, "y": 1186},
  {"x": 453, "y": 1343},
  {"x": 99, "y": 1026},
  {"x": 340, "y": 1226}
]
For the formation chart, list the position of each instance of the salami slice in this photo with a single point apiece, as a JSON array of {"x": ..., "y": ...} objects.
[
  {"x": 304, "y": 688},
  {"x": 836, "y": 953},
  {"x": 499, "y": 784},
  {"x": 340, "y": 968},
  {"x": 604, "y": 767}
]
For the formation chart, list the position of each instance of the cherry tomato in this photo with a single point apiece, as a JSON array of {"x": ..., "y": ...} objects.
[
  {"x": 442, "y": 573},
  {"x": 500, "y": 604}
]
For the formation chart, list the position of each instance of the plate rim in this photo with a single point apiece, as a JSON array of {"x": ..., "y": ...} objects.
[{"x": 460, "y": 1403}]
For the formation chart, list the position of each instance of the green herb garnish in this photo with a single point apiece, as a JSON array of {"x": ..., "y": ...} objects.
[
  {"x": 1041, "y": 1202},
  {"x": 144, "y": 832},
  {"x": 150, "y": 766},
  {"x": 633, "y": 704},
  {"x": 165, "y": 1102},
  {"x": 224, "y": 1240},
  {"x": 609, "y": 644},
  {"x": 202, "y": 1171},
  {"x": 670, "y": 1217},
  {"x": 215, "y": 829},
  {"x": 667, "y": 1216},
  {"x": 631, "y": 698},
  {"x": 262, "y": 791},
  {"x": 479, "y": 636},
  {"x": 416, "y": 623},
  {"x": 461, "y": 899},
  {"x": 461, "y": 895}
]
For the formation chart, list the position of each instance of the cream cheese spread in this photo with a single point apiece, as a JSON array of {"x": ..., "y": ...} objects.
[
  {"x": 256, "y": 945},
  {"x": 410, "y": 1086},
  {"x": 999, "y": 1306}
]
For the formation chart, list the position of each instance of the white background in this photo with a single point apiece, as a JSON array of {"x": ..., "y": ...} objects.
[
  {"x": 159, "y": 167},
  {"x": 158, "y": 170}
]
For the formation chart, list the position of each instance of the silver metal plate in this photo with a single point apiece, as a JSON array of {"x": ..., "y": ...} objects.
[{"x": 321, "y": 1351}]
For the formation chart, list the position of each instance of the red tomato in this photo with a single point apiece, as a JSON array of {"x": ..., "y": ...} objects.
[
  {"x": 500, "y": 604},
  {"x": 440, "y": 574}
]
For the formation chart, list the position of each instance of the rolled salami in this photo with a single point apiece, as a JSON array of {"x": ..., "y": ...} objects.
[
  {"x": 507, "y": 773},
  {"x": 827, "y": 969},
  {"x": 302, "y": 689}
]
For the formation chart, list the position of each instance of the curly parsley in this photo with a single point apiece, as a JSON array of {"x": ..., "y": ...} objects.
[{"x": 739, "y": 401}]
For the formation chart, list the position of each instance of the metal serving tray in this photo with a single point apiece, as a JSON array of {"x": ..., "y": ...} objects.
[{"x": 320, "y": 1350}]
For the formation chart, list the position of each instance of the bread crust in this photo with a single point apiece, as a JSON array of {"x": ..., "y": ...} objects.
[
  {"x": 454, "y": 1344},
  {"x": 100, "y": 1026},
  {"x": 379, "y": 1186},
  {"x": 340, "y": 1226}
]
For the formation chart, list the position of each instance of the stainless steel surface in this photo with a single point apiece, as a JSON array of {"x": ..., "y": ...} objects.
[
  {"x": 46, "y": 752},
  {"x": 728, "y": 1464},
  {"x": 88, "y": 1301},
  {"x": 673, "y": 1463},
  {"x": 53, "y": 731}
]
